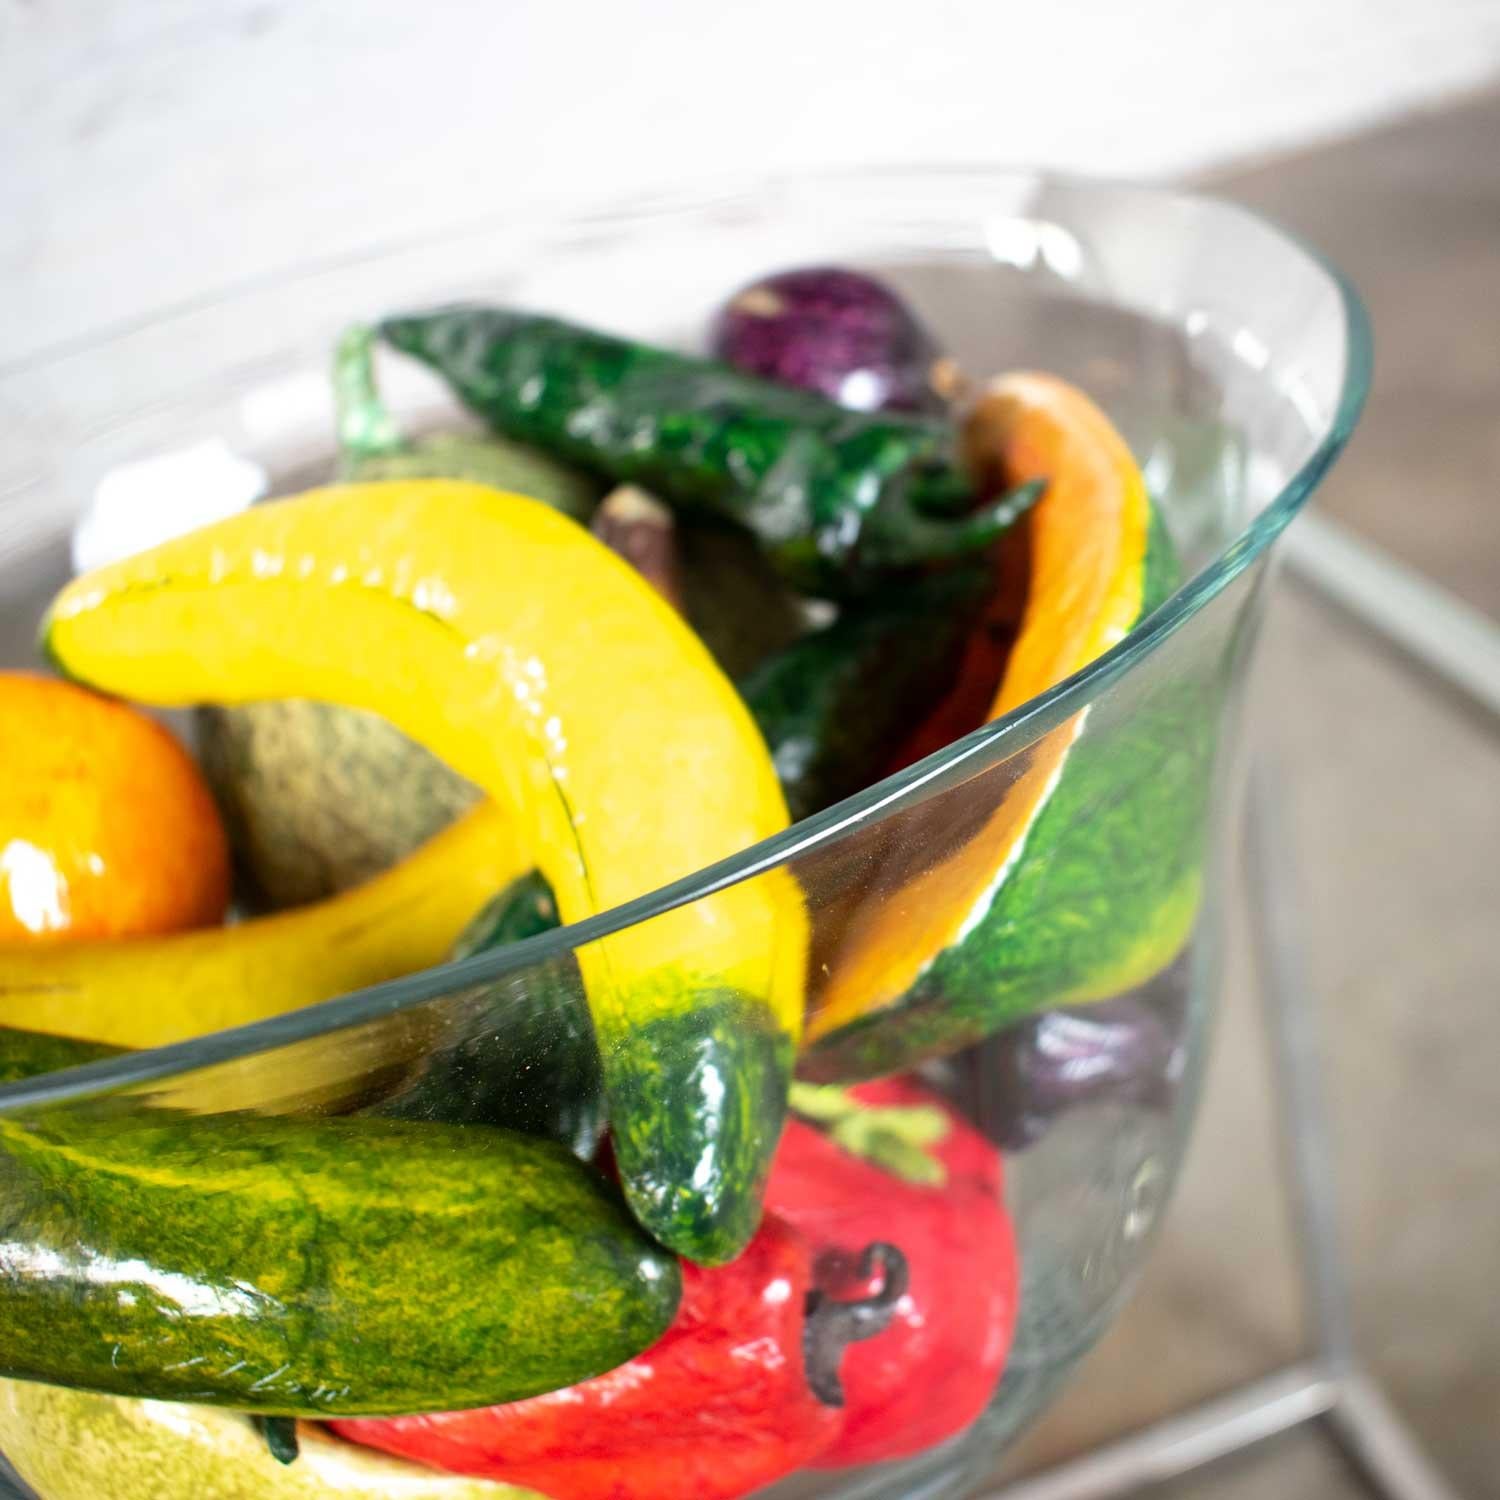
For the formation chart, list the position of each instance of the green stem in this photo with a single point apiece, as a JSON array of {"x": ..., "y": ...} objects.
[
  {"x": 897, "y": 1138},
  {"x": 365, "y": 428}
]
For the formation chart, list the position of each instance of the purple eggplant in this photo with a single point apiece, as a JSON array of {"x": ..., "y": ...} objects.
[
  {"x": 836, "y": 332},
  {"x": 1128, "y": 1050}
]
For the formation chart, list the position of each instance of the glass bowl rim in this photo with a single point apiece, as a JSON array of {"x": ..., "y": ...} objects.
[{"x": 970, "y": 755}]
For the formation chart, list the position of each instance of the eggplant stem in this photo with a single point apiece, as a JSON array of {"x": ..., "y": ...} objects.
[{"x": 831, "y": 1326}]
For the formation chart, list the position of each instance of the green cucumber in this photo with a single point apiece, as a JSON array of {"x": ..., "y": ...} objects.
[{"x": 313, "y": 1267}]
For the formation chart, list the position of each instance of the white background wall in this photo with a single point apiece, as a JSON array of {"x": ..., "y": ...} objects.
[{"x": 154, "y": 150}]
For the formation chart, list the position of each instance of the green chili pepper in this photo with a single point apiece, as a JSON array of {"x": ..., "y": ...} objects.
[{"x": 836, "y": 498}]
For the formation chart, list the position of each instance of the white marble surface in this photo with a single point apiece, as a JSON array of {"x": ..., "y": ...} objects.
[{"x": 154, "y": 151}]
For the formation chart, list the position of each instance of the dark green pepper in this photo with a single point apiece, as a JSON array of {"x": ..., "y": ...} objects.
[
  {"x": 833, "y": 703},
  {"x": 520, "y": 1052},
  {"x": 836, "y": 498}
]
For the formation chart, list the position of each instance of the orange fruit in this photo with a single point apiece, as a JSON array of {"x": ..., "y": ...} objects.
[{"x": 107, "y": 829}]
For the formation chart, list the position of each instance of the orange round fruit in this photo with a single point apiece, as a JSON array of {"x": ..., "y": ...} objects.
[{"x": 107, "y": 829}]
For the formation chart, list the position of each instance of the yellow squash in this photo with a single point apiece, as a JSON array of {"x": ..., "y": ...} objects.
[
  {"x": 1082, "y": 878},
  {"x": 148, "y": 991},
  {"x": 538, "y": 664}
]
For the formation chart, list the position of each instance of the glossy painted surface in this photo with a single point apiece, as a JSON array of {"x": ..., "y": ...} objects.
[
  {"x": 106, "y": 826},
  {"x": 542, "y": 667},
  {"x": 72, "y": 1445},
  {"x": 1086, "y": 574},
  {"x": 282, "y": 1265},
  {"x": 147, "y": 991},
  {"x": 835, "y": 498},
  {"x": 928, "y": 1376},
  {"x": 832, "y": 330},
  {"x": 717, "y": 1407}
]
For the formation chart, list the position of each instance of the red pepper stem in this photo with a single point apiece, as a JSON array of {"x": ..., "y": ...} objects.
[{"x": 832, "y": 1326}]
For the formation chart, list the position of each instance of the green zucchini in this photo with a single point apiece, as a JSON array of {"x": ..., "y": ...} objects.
[{"x": 313, "y": 1267}]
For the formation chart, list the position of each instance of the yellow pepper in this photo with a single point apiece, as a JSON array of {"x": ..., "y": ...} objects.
[{"x": 148, "y": 991}]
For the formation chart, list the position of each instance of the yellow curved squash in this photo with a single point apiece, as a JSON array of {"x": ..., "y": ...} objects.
[
  {"x": 1083, "y": 877},
  {"x": 537, "y": 663},
  {"x": 148, "y": 991}
]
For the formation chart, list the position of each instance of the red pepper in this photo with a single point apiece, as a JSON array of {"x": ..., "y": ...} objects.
[
  {"x": 932, "y": 1373},
  {"x": 724, "y": 1402}
]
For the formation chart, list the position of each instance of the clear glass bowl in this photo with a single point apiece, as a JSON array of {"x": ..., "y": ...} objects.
[{"x": 1234, "y": 360}]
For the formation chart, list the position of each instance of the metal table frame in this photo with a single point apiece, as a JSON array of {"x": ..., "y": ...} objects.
[{"x": 1327, "y": 1387}]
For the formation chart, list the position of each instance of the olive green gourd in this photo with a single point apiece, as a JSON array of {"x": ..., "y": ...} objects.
[{"x": 318, "y": 797}]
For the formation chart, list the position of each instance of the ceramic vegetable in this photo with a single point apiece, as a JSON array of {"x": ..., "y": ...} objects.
[
  {"x": 895, "y": 1158},
  {"x": 319, "y": 799},
  {"x": 27, "y": 1054},
  {"x": 1127, "y": 1050},
  {"x": 300, "y": 781},
  {"x": 831, "y": 330},
  {"x": 312, "y": 1266},
  {"x": 724, "y": 1402},
  {"x": 372, "y": 445},
  {"x": 146, "y": 992},
  {"x": 1019, "y": 916},
  {"x": 540, "y": 665},
  {"x": 73, "y": 1445},
  {"x": 835, "y": 497},
  {"x": 106, "y": 827},
  {"x": 833, "y": 702}
]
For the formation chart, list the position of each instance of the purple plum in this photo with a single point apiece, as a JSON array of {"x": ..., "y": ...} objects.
[{"x": 1128, "y": 1049}]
